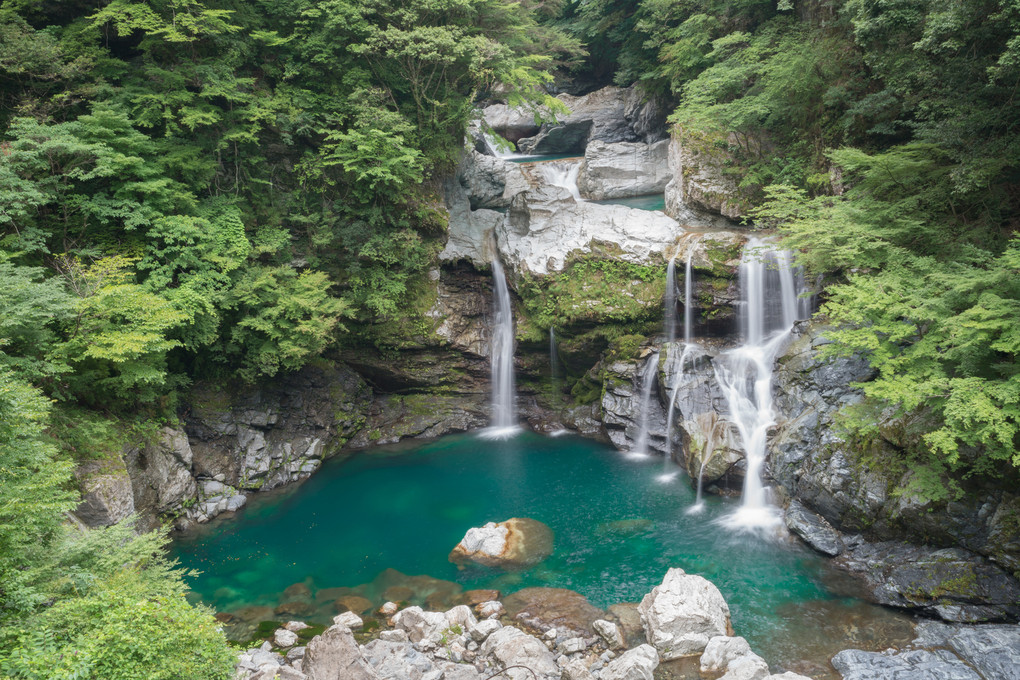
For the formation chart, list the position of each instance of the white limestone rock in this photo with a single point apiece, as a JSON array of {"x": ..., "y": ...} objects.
[
  {"x": 483, "y": 629},
  {"x": 284, "y": 638},
  {"x": 545, "y": 225},
  {"x": 721, "y": 650},
  {"x": 623, "y": 170},
  {"x": 349, "y": 619},
  {"x": 517, "y": 542},
  {"x": 750, "y": 667},
  {"x": 609, "y": 632},
  {"x": 421, "y": 625},
  {"x": 397, "y": 660},
  {"x": 636, "y": 664},
  {"x": 334, "y": 654},
  {"x": 510, "y": 646},
  {"x": 682, "y": 614}
]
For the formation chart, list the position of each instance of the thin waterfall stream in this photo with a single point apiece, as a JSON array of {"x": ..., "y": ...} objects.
[
  {"x": 648, "y": 379},
  {"x": 688, "y": 343},
  {"x": 768, "y": 309},
  {"x": 504, "y": 413},
  {"x": 562, "y": 174}
]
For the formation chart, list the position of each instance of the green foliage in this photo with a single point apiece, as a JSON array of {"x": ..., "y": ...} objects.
[
  {"x": 283, "y": 318},
  {"x": 119, "y": 612}
]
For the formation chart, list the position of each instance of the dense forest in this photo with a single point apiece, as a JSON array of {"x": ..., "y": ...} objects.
[{"x": 226, "y": 191}]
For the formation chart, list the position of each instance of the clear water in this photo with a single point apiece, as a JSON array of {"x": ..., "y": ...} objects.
[
  {"x": 617, "y": 530},
  {"x": 650, "y": 202}
]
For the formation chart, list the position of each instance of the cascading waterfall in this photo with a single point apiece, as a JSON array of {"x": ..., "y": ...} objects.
[
  {"x": 688, "y": 344},
  {"x": 561, "y": 174},
  {"x": 504, "y": 416},
  {"x": 768, "y": 308},
  {"x": 648, "y": 376},
  {"x": 553, "y": 357},
  {"x": 670, "y": 321}
]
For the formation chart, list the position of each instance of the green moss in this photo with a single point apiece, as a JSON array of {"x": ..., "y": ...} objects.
[{"x": 590, "y": 290}]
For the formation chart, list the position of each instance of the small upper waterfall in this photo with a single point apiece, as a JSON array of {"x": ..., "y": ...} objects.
[
  {"x": 688, "y": 303},
  {"x": 553, "y": 357},
  {"x": 561, "y": 174},
  {"x": 670, "y": 321},
  {"x": 648, "y": 379},
  {"x": 504, "y": 416},
  {"x": 768, "y": 308}
]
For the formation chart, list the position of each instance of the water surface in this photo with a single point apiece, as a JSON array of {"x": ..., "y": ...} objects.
[{"x": 617, "y": 526}]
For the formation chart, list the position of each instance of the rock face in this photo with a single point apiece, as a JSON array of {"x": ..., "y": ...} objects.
[
  {"x": 161, "y": 477},
  {"x": 106, "y": 493},
  {"x": 516, "y": 543},
  {"x": 622, "y": 406},
  {"x": 698, "y": 165},
  {"x": 682, "y": 614},
  {"x": 993, "y": 650},
  {"x": 623, "y": 169},
  {"x": 545, "y": 225},
  {"x": 278, "y": 434},
  {"x": 952, "y": 583},
  {"x": 813, "y": 464}
]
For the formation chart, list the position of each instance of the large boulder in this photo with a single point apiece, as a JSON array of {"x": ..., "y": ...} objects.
[
  {"x": 335, "y": 654},
  {"x": 545, "y": 226},
  {"x": 635, "y": 664},
  {"x": 951, "y": 583},
  {"x": 599, "y": 115},
  {"x": 397, "y": 661},
  {"x": 516, "y": 543},
  {"x": 623, "y": 410},
  {"x": 522, "y": 656},
  {"x": 682, "y": 614},
  {"x": 623, "y": 169},
  {"x": 490, "y": 182},
  {"x": 511, "y": 123}
]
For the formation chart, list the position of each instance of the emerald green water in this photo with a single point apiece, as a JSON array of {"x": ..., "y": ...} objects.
[
  {"x": 405, "y": 509},
  {"x": 649, "y": 202}
]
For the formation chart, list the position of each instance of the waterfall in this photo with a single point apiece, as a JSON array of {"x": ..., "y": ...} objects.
[
  {"x": 504, "y": 416},
  {"x": 648, "y": 376},
  {"x": 561, "y": 174},
  {"x": 670, "y": 320},
  {"x": 688, "y": 302},
  {"x": 553, "y": 358},
  {"x": 768, "y": 308}
]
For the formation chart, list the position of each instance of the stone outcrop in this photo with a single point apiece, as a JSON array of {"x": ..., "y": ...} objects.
[
  {"x": 951, "y": 583},
  {"x": 161, "y": 476},
  {"x": 682, "y": 614},
  {"x": 622, "y": 408},
  {"x": 623, "y": 170},
  {"x": 813, "y": 528},
  {"x": 700, "y": 179},
  {"x": 106, "y": 493},
  {"x": 514, "y": 544},
  {"x": 278, "y": 434},
  {"x": 545, "y": 226}
]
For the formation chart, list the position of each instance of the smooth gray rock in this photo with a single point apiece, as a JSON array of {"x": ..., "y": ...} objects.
[
  {"x": 609, "y": 632},
  {"x": 483, "y": 629},
  {"x": 951, "y": 583},
  {"x": 490, "y": 182},
  {"x": 994, "y": 650},
  {"x": 599, "y": 115},
  {"x": 284, "y": 638},
  {"x": 749, "y": 667},
  {"x": 854, "y": 664},
  {"x": 623, "y": 170},
  {"x": 813, "y": 528},
  {"x": 334, "y": 654},
  {"x": 682, "y": 614},
  {"x": 622, "y": 406}
]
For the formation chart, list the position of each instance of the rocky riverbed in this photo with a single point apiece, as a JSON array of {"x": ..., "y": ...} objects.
[{"x": 681, "y": 629}]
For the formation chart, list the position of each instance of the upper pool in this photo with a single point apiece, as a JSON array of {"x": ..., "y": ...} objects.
[{"x": 618, "y": 527}]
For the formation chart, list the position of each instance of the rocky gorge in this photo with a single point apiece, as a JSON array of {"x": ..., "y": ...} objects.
[{"x": 597, "y": 273}]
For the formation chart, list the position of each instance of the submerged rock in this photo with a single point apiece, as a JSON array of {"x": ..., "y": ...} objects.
[
  {"x": 543, "y": 609},
  {"x": 518, "y": 542}
]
